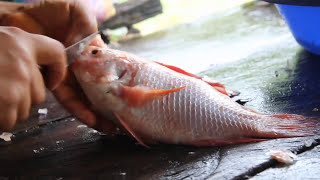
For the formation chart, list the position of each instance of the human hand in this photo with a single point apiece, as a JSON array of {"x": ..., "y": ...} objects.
[
  {"x": 21, "y": 82},
  {"x": 68, "y": 22}
]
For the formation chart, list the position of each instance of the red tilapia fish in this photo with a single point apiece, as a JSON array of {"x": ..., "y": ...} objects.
[{"x": 161, "y": 103}]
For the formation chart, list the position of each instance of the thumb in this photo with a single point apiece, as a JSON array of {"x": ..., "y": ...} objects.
[
  {"x": 51, "y": 55},
  {"x": 82, "y": 17}
]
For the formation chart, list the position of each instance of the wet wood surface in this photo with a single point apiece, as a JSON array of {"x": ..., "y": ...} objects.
[{"x": 58, "y": 146}]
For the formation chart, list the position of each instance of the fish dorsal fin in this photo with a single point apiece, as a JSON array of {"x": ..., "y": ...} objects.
[
  {"x": 179, "y": 70},
  {"x": 128, "y": 128},
  {"x": 137, "y": 96},
  {"x": 219, "y": 87}
]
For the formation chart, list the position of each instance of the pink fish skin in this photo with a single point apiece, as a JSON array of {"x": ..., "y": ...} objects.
[{"x": 158, "y": 103}]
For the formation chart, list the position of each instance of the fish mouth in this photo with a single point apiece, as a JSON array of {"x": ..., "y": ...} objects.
[
  {"x": 111, "y": 78},
  {"x": 124, "y": 72}
]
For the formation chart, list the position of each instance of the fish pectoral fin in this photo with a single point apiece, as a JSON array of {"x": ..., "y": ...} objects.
[
  {"x": 219, "y": 87},
  {"x": 138, "y": 96},
  {"x": 222, "y": 142},
  {"x": 130, "y": 131}
]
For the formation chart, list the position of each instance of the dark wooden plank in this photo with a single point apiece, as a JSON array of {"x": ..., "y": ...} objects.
[
  {"x": 63, "y": 148},
  {"x": 247, "y": 160},
  {"x": 132, "y": 12},
  {"x": 307, "y": 166}
]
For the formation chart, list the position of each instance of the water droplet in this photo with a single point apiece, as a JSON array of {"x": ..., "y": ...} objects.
[
  {"x": 309, "y": 142},
  {"x": 38, "y": 150},
  {"x": 101, "y": 133},
  {"x": 73, "y": 119},
  {"x": 315, "y": 109},
  {"x": 59, "y": 142},
  {"x": 43, "y": 111},
  {"x": 82, "y": 126},
  {"x": 92, "y": 131},
  {"x": 123, "y": 173},
  {"x": 191, "y": 152}
]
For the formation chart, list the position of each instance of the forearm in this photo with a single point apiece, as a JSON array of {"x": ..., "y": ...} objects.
[
  {"x": 13, "y": 14},
  {"x": 9, "y": 7}
]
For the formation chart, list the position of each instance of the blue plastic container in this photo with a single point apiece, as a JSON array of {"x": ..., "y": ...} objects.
[{"x": 304, "y": 23}]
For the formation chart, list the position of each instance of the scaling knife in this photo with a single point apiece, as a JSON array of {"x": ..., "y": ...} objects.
[{"x": 75, "y": 50}]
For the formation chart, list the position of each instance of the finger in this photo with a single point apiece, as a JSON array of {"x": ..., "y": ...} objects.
[
  {"x": 67, "y": 96},
  {"x": 50, "y": 53},
  {"x": 53, "y": 16},
  {"x": 82, "y": 17},
  {"x": 9, "y": 101},
  {"x": 24, "y": 107},
  {"x": 37, "y": 89},
  {"x": 8, "y": 119},
  {"x": 6, "y": 7}
]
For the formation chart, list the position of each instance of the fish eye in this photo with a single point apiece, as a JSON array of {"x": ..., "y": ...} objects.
[{"x": 95, "y": 52}]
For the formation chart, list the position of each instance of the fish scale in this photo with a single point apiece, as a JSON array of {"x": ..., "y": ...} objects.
[
  {"x": 190, "y": 122},
  {"x": 157, "y": 102}
]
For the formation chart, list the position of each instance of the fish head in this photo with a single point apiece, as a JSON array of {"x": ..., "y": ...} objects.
[
  {"x": 100, "y": 64},
  {"x": 101, "y": 71}
]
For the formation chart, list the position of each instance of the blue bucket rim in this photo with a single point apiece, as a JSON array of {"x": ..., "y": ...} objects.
[{"x": 296, "y": 2}]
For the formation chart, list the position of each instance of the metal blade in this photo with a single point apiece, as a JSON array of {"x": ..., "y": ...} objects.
[{"x": 75, "y": 50}]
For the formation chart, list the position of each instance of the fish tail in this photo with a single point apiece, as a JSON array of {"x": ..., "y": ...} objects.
[{"x": 291, "y": 125}]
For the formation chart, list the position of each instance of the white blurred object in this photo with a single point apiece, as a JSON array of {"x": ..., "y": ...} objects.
[
  {"x": 283, "y": 156},
  {"x": 43, "y": 111},
  {"x": 6, "y": 136}
]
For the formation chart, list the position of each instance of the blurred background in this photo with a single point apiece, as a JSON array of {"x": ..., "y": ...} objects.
[
  {"x": 196, "y": 35},
  {"x": 144, "y": 17}
]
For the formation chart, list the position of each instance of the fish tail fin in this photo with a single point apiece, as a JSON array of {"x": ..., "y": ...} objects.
[{"x": 291, "y": 125}]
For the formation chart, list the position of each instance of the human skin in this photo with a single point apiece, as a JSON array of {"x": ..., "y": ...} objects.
[{"x": 52, "y": 26}]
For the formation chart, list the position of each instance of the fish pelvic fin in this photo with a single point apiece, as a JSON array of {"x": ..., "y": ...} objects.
[
  {"x": 219, "y": 87},
  {"x": 137, "y": 96},
  {"x": 291, "y": 125},
  {"x": 130, "y": 131}
]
